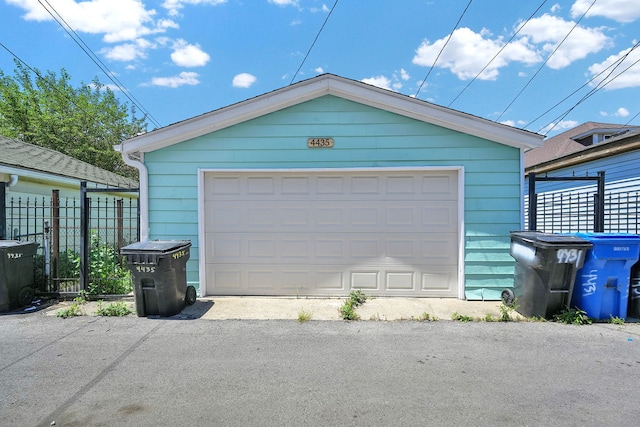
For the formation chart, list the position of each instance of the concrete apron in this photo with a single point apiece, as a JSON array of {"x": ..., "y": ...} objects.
[
  {"x": 379, "y": 309},
  {"x": 272, "y": 308}
]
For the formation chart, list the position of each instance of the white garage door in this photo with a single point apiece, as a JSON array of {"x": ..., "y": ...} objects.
[{"x": 387, "y": 232}]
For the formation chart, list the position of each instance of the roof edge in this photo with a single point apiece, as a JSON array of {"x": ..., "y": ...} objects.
[{"x": 329, "y": 84}]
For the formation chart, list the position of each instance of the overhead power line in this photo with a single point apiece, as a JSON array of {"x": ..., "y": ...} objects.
[
  {"x": 43, "y": 79},
  {"x": 614, "y": 64},
  {"x": 443, "y": 47},
  {"x": 498, "y": 53},
  {"x": 592, "y": 92},
  {"x": 87, "y": 50},
  {"x": 545, "y": 62},
  {"x": 314, "y": 42}
]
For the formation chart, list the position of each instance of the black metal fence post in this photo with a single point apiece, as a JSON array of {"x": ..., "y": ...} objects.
[
  {"x": 84, "y": 237},
  {"x": 533, "y": 202},
  {"x": 3, "y": 210},
  {"x": 599, "y": 219}
]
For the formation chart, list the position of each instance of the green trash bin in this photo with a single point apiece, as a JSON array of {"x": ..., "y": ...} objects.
[
  {"x": 16, "y": 273},
  {"x": 545, "y": 271},
  {"x": 159, "y": 272}
]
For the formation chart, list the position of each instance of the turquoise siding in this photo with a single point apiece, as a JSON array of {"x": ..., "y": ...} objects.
[{"x": 364, "y": 137}]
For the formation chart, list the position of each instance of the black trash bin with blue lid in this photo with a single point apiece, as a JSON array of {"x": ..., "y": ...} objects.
[
  {"x": 545, "y": 271},
  {"x": 603, "y": 283},
  {"x": 159, "y": 272},
  {"x": 16, "y": 273}
]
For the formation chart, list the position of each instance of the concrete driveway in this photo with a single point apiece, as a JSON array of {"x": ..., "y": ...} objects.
[{"x": 266, "y": 308}]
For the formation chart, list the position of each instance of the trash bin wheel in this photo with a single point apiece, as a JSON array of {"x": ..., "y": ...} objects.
[
  {"x": 507, "y": 296},
  {"x": 25, "y": 296},
  {"x": 190, "y": 297}
]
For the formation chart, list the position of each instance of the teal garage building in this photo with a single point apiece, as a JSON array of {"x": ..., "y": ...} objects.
[{"x": 330, "y": 185}]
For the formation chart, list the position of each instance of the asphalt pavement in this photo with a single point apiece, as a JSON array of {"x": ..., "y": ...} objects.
[{"x": 193, "y": 370}]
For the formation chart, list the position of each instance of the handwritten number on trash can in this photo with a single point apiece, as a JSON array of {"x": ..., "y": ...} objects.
[{"x": 569, "y": 256}]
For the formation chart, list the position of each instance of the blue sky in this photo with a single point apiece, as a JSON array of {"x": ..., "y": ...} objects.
[{"x": 532, "y": 64}]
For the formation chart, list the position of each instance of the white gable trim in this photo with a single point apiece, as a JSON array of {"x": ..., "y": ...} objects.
[{"x": 328, "y": 84}]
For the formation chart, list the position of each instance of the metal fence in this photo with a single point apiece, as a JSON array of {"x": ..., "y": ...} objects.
[
  {"x": 55, "y": 224},
  {"x": 574, "y": 211}
]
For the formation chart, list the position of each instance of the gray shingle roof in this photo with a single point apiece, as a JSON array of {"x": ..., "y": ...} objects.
[
  {"x": 23, "y": 155},
  {"x": 563, "y": 144}
]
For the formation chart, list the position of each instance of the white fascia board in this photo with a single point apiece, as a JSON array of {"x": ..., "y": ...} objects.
[
  {"x": 225, "y": 117},
  {"x": 344, "y": 88},
  {"x": 437, "y": 115}
]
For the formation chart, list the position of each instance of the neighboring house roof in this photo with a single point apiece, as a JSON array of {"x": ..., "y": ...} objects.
[
  {"x": 624, "y": 141},
  {"x": 29, "y": 157},
  {"x": 566, "y": 143},
  {"x": 329, "y": 84}
]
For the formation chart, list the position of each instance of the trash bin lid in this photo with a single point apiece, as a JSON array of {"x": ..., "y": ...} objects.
[
  {"x": 14, "y": 243},
  {"x": 156, "y": 246},
  {"x": 548, "y": 240}
]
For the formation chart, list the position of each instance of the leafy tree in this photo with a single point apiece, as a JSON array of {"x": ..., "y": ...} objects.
[{"x": 83, "y": 122}]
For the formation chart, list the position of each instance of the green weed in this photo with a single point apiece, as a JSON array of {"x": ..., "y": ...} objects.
[
  {"x": 348, "y": 309},
  {"x": 304, "y": 316},
  {"x": 461, "y": 317},
  {"x": 115, "y": 309},
  {"x": 573, "y": 316},
  {"x": 616, "y": 320},
  {"x": 506, "y": 309}
]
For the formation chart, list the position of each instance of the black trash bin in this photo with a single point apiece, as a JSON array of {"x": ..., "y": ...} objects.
[
  {"x": 16, "y": 273},
  {"x": 545, "y": 272},
  {"x": 159, "y": 272}
]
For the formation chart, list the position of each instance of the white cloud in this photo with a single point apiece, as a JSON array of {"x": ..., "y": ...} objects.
[
  {"x": 622, "y": 112},
  {"x": 548, "y": 31},
  {"x": 562, "y": 125},
  {"x": 128, "y": 51},
  {"x": 284, "y": 2},
  {"x": 319, "y": 70},
  {"x": 467, "y": 51},
  {"x": 404, "y": 75},
  {"x": 379, "y": 81},
  {"x": 188, "y": 55},
  {"x": 625, "y": 75},
  {"x": 184, "y": 78},
  {"x": 244, "y": 80},
  {"x": 618, "y": 10},
  {"x": 120, "y": 20},
  {"x": 174, "y": 6}
]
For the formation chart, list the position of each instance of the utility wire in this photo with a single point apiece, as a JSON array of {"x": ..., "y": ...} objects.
[
  {"x": 443, "y": 47},
  {"x": 37, "y": 73},
  {"x": 87, "y": 50},
  {"x": 496, "y": 55},
  {"x": 314, "y": 42},
  {"x": 591, "y": 92},
  {"x": 614, "y": 64},
  {"x": 545, "y": 62}
]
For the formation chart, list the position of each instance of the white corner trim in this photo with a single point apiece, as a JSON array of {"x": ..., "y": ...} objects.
[{"x": 143, "y": 198}]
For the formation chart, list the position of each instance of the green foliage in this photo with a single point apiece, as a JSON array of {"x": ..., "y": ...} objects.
[
  {"x": 304, "y": 316},
  {"x": 83, "y": 122},
  {"x": 461, "y": 317},
  {"x": 426, "y": 317},
  {"x": 616, "y": 320},
  {"x": 74, "y": 309},
  {"x": 506, "y": 309},
  {"x": 348, "y": 309},
  {"x": 490, "y": 318},
  {"x": 573, "y": 316},
  {"x": 117, "y": 309},
  {"x": 108, "y": 275}
]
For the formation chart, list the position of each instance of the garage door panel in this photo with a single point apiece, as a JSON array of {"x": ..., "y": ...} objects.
[
  {"x": 279, "y": 216},
  {"x": 326, "y": 233}
]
